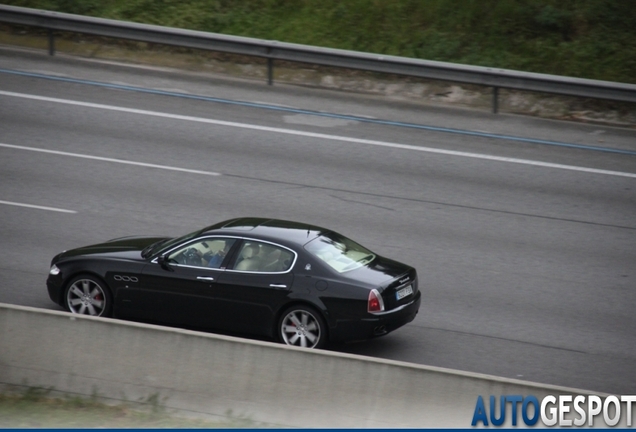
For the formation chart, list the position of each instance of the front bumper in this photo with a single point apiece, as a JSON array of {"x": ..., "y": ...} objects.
[
  {"x": 54, "y": 287},
  {"x": 372, "y": 326}
]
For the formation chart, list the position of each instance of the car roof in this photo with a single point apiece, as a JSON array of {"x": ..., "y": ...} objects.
[{"x": 298, "y": 233}]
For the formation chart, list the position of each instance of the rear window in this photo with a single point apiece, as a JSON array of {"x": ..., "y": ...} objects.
[{"x": 339, "y": 252}]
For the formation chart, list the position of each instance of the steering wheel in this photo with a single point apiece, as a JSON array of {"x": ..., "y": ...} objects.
[{"x": 191, "y": 256}]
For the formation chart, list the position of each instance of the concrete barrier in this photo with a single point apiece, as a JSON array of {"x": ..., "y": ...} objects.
[{"x": 215, "y": 374}]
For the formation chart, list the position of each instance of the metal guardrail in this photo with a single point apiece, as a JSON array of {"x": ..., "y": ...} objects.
[{"x": 273, "y": 50}]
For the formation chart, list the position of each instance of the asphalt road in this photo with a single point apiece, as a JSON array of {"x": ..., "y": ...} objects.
[{"x": 526, "y": 252}]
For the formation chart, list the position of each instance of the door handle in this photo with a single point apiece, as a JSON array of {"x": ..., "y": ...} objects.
[
  {"x": 278, "y": 286},
  {"x": 205, "y": 278}
]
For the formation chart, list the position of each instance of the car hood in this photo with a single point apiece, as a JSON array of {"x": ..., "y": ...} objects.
[
  {"x": 379, "y": 271},
  {"x": 120, "y": 246}
]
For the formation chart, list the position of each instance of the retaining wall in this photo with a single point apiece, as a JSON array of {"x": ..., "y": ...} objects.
[{"x": 215, "y": 374}]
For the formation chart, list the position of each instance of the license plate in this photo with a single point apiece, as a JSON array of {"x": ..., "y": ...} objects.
[{"x": 404, "y": 292}]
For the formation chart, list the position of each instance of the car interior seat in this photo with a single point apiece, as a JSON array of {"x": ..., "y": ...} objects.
[{"x": 250, "y": 258}]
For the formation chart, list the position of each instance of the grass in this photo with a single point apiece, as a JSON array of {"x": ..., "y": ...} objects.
[
  {"x": 580, "y": 38},
  {"x": 37, "y": 408}
]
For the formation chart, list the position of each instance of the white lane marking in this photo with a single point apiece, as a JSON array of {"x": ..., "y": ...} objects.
[
  {"x": 37, "y": 207},
  {"x": 319, "y": 135},
  {"x": 105, "y": 159}
]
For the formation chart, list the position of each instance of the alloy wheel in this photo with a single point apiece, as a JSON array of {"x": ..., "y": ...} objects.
[
  {"x": 86, "y": 297},
  {"x": 300, "y": 327}
]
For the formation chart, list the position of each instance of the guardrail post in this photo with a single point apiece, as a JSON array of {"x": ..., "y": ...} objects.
[
  {"x": 495, "y": 100},
  {"x": 51, "y": 43},
  {"x": 270, "y": 68},
  {"x": 270, "y": 71}
]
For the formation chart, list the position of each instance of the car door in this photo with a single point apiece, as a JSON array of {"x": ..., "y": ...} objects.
[
  {"x": 254, "y": 286},
  {"x": 180, "y": 288}
]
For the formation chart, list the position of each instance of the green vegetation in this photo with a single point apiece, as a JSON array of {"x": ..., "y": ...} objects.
[
  {"x": 582, "y": 38},
  {"x": 35, "y": 408}
]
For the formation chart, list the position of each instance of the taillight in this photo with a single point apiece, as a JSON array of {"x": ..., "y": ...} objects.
[{"x": 375, "y": 303}]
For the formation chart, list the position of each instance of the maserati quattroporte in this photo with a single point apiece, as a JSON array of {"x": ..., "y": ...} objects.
[{"x": 293, "y": 282}]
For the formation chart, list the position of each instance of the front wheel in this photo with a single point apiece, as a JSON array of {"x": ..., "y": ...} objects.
[
  {"x": 87, "y": 295},
  {"x": 302, "y": 326}
]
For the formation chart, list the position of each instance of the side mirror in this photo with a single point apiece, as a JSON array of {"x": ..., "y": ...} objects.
[{"x": 163, "y": 261}]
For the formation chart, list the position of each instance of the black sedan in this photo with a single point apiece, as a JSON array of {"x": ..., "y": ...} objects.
[{"x": 297, "y": 283}]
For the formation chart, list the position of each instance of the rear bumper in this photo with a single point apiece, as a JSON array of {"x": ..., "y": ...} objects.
[{"x": 372, "y": 326}]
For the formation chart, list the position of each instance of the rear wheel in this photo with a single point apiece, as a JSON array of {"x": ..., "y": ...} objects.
[
  {"x": 302, "y": 326},
  {"x": 87, "y": 295}
]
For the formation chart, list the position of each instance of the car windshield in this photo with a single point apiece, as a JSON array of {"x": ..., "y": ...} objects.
[
  {"x": 165, "y": 244},
  {"x": 339, "y": 252},
  {"x": 150, "y": 249}
]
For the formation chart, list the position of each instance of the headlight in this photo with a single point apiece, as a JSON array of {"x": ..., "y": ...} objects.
[{"x": 54, "y": 270}]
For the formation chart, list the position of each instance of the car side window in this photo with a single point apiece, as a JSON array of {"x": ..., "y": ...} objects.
[
  {"x": 209, "y": 253},
  {"x": 263, "y": 258}
]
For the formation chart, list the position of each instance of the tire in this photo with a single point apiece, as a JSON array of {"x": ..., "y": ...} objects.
[
  {"x": 302, "y": 326},
  {"x": 88, "y": 295}
]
